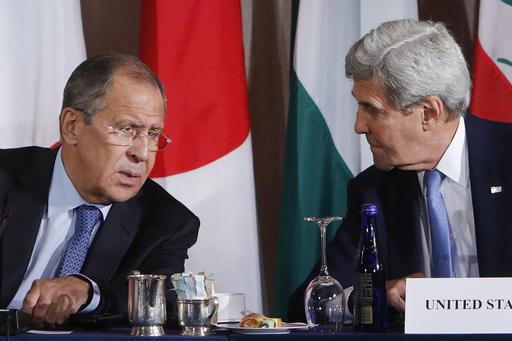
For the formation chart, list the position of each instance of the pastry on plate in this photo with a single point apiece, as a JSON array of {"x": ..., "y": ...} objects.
[{"x": 254, "y": 320}]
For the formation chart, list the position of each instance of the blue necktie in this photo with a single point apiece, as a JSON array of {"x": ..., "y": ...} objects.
[
  {"x": 441, "y": 265},
  {"x": 76, "y": 248}
]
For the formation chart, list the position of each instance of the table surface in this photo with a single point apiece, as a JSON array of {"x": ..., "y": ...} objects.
[{"x": 172, "y": 334}]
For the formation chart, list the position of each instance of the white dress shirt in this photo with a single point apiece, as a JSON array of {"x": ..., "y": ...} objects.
[
  {"x": 56, "y": 228},
  {"x": 456, "y": 193}
]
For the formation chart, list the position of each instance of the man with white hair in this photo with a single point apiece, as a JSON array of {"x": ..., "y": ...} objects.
[{"x": 440, "y": 176}]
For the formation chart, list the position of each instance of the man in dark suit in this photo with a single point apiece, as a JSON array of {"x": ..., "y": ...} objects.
[
  {"x": 412, "y": 87},
  {"x": 77, "y": 220}
]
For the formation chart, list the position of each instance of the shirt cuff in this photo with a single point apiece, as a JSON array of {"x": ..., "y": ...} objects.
[{"x": 96, "y": 295}]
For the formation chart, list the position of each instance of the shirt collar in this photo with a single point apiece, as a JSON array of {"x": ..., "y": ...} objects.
[
  {"x": 63, "y": 195},
  {"x": 454, "y": 163}
]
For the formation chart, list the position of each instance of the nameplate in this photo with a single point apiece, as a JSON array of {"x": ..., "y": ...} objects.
[{"x": 458, "y": 305}]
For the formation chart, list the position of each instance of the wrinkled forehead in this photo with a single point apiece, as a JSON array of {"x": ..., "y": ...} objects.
[
  {"x": 369, "y": 88},
  {"x": 129, "y": 100},
  {"x": 134, "y": 76}
]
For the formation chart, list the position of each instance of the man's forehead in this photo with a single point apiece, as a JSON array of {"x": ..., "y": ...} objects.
[
  {"x": 130, "y": 88},
  {"x": 135, "y": 107},
  {"x": 125, "y": 78},
  {"x": 368, "y": 89},
  {"x": 367, "y": 85}
]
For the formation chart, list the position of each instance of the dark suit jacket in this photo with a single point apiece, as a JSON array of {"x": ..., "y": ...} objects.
[
  {"x": 396, "y": 194},
  {"x": 150, "y": 232}
]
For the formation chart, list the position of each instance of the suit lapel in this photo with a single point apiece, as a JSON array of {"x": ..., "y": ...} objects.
[
  {"x": 112, "y": 241},
  {"x": 489, "y": 166},
  {"x": 403, "y": 226},
  {"x": 27, "y": 203}
]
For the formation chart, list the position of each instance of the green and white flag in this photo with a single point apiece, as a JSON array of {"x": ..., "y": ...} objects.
[{"x": 322, "y": 151}]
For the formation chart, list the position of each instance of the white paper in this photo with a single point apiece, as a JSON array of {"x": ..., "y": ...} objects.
[{"x": 458, "y": 305}]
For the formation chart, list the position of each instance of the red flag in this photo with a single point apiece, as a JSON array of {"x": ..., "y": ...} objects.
[
  {"x": 195, "y": 46},
  {"x": 492, "y": 69}
]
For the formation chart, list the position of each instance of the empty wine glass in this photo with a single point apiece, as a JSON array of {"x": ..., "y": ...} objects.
[{"x": 324, "y": 300}]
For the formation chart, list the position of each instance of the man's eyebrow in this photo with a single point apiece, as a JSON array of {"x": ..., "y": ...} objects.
[
  {"x": 127, "y": 121},
  {"x": 371, "y": 106},
  {"x": 365, "y": 103},
  {"x": 156, "y": 126},
  {"x": 358, "y": 101}
]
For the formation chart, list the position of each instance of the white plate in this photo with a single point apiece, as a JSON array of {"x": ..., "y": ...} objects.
[{"x": 285, "y": 329}]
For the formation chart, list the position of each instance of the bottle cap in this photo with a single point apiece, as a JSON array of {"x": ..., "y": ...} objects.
[{"x": 369, "y": 209}]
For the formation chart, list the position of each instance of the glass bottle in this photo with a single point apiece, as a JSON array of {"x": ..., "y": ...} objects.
[{"x": 370, "y": 304}]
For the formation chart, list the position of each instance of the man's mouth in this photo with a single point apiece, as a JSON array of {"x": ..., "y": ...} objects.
[
  {"x": 130, "y": 178},
  {"x": 370, "y": 141}
]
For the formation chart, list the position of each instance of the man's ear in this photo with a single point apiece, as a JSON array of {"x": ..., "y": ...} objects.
[
  {"x": 70, "y": 122},
  {"x": 432, "y": 112}
]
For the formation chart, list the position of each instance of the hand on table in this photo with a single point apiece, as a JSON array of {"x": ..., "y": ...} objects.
[
  {"x": 52, "y": 301},
  {"x": 396, "y": 291}
]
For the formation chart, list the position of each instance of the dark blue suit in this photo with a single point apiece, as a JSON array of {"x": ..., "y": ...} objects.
[
  {"x": 396, "y": 193},
  {"x": 150, "y": 232}
]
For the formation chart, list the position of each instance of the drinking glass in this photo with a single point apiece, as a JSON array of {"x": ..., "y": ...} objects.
[{"x": 324, "y": 300}]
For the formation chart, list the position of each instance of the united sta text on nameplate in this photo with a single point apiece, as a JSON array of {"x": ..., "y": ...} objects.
[{"x": 458, "y": 306}]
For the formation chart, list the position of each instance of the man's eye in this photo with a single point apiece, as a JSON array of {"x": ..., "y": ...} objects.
[
  {"x": 153, "y": 134},
  {"x": 127, "y": 130},
  {"x": 371, "y": 109}
]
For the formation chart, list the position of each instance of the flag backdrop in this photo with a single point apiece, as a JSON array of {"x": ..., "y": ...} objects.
[
  {"x": 196, "y": 48},
  {"x": 42, "y": 42},
  {"x": 492, "y": 69},
  {"x": 322, "y": 150}
]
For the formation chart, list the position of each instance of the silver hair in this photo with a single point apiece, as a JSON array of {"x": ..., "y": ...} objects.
[
  {"x": 90, "y": 81},
  {"x": 412, "y": 60}
]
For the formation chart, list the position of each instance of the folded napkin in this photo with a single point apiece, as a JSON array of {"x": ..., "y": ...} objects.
[{"x": 191, "y": 286}]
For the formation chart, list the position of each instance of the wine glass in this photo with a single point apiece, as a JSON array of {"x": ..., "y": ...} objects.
[{"x": 324, "y": 300}]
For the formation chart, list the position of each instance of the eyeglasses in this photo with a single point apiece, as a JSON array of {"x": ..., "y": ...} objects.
[{"x": 126, "y": 136}]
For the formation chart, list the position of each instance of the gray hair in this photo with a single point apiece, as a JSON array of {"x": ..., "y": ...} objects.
[
  {"x": 412, "y": 60},
  {"x": 91, "y": 80}
]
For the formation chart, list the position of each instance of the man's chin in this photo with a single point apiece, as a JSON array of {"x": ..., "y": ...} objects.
[
  {"x": 382, "y": 166},
  {"x": 122, "y": 194},
  {"x": 385, "y": 166},
  {"x": 415, "y": 166}
]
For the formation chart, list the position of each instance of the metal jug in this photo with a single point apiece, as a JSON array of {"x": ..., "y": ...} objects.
[
  {"x": 195, "y": 316},
  {"x": 146, "y": 304}
]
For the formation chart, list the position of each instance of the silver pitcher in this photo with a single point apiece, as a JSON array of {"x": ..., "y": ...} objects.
[
  {"x": 146, "y": 304},
  {"x": 195, "y": 316}
]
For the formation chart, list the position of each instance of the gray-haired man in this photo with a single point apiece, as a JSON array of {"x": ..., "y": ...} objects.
[
  {"x": 78, "y": 219},
  {"x": 412, "y": 87}
]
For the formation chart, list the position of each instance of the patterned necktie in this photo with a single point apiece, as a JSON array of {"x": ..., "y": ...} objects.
[
  {"x": 76, "y": 248},
  {"x": 441, "y": 265}
]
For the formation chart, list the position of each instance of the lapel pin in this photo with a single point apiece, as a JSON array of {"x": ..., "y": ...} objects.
[{"x": 496, "y": 189}]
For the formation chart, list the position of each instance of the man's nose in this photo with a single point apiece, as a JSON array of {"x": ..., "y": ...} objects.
[
  {"x": 361, "y": 124},
  {"x": 140, "y": 148}
]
